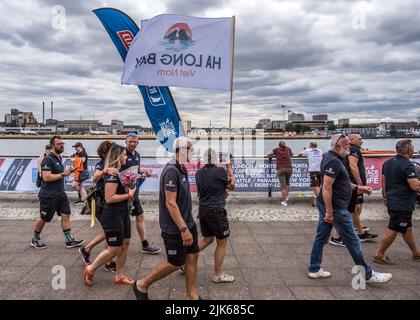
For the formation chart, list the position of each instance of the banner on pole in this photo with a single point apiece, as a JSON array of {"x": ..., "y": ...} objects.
[
  {"x": 181, "y": 51},
  {"x": 158, "y": 102}
]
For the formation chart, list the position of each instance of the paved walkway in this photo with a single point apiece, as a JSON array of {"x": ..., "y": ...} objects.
[{"x": 268, "y": 260}]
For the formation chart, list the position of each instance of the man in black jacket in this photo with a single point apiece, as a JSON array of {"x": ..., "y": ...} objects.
[{"x": 399, "y": 188}]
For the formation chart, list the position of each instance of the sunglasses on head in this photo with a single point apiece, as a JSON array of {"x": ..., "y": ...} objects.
[
  {"x": 131, "y": 134},
  {"x": 341, "y": 137}
]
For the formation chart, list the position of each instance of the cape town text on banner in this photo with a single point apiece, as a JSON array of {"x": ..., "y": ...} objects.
[{"x": 181, "y": 51}]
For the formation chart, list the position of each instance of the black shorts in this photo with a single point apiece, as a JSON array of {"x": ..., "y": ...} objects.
[
  {"x": 136, "y": 209},
  {"x": 49, "y": 206},
  {"x": 117, "y": 226},
  {"x": 82, "y": 176},
  {"x": 214, "y": 223},
  {"x": 355, "y": 200},
  {"x": 99, "y": 207},
  {"x": 399, "y": 221},
  {"x": 176, "y": 252},
  {"x": 315, "y": 178}
]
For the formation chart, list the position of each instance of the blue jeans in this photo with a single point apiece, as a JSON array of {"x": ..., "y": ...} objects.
[{"x": 343, "y": 223}]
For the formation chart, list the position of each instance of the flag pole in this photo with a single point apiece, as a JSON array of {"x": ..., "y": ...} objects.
[{"x": 232, "y": 52}]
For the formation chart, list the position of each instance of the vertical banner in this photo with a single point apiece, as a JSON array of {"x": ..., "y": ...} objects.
[
  {"x": 158, "y": 102},
  {"x": 373, "y": 168}
]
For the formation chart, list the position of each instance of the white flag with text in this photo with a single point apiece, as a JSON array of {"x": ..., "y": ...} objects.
[{"x": 181, "y": 51}]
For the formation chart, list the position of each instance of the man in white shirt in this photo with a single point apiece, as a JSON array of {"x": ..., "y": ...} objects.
[{"x": 314, "y": 161}]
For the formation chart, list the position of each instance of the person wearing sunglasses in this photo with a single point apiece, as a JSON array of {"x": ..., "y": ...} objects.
[
  {"x": 179, "y": 230},
  {"x": 332, "y": 202},
  {"x": 115, "y": 221},
  {"x": 356, "y": 168},
  {"x": 133, "y": 159}
]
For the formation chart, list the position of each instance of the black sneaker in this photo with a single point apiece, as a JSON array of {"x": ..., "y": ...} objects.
[
  {"x": 139, "y": 295},
  {"x": 38, "y": 244},
  {"x": 111, "y": 267},
  {"x": 364, "y": 228},
  {"x": 151, "y": 249},
  {"x": 367, "y": 236},
  {"x": 337, "y": 242},
  {"x": 85, "y": 255},
  {"x": 74, "y": 243}
]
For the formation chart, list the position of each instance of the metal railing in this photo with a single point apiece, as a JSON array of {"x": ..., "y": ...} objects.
[{"x": 238, "y": 159}]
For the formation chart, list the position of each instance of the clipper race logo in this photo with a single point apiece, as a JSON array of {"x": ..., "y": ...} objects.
[
  {"x": 178, "y": 37},
  {"x": 155, "y": 96},
  {"x": 126, "y": 37}
]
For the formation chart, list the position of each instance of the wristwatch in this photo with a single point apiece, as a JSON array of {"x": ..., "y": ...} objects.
[
  {"x": 62, "y": 174},
  {"x": 183, "y": 229}
]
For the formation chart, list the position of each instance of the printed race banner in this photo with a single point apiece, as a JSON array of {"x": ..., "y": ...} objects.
[
  {"x": 373, "y": 168},
  {"x": 17, "y": 173},
  {"x": 251, "y": 175},
  {"x": 258, "y": 175},
  {"x": 181, "y": 51},
  {"x": 158, "y": 102}
]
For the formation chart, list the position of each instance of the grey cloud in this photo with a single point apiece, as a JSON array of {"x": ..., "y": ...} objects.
[
  {"x": 188, "y": 7},
  {"x": 303, "y": 54}
]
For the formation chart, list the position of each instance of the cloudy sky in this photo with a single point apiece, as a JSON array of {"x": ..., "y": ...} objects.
[{"x": 356, "y": 59}]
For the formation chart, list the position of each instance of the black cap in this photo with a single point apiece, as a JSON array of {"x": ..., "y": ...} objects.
[{"x": 78, "y": 144}]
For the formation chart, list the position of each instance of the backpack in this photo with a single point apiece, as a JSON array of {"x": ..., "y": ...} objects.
[{"x": 90, "y": 204}]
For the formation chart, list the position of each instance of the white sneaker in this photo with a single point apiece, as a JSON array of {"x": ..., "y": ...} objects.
[
  {"x": 223, "y": 278},
  {"x": 284, "y": 203},
  {"x": 320, "y": 274},
  {"x": 378, "y": 277}
]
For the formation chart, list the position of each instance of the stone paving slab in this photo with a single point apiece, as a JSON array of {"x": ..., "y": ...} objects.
[
  {"x": 268, "y": 259},
  {"x": 240, "y": 207}
]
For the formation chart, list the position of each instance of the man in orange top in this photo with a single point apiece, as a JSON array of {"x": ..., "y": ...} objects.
[{"x": 81, "y": 173}]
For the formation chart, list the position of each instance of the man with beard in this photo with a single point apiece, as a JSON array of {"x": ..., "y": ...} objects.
[
  {"x": 52, "y": 196},
  {"x": 356, "y": 168},
  {"x": 179, "y": 230},
  {"x": 332, "y": 202}
]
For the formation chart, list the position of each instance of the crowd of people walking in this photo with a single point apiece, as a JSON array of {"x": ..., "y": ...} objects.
[{"x": 337, "y": 178}]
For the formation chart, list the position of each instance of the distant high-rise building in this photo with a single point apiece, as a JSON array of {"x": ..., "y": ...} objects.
[
  {"x": 264, "y": 124},
  {"x": 18, "y": 118},
  {"x": 320, "y": 117},
  {"x": 81, "y": 125},
  {"x": 278, "y": 124},
  {"x": 343, "y": 122},
  {"x": 117, "y": 125},
  {"x": 296, "y": 116}
]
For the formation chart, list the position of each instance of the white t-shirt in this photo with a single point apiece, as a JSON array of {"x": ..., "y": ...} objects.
[{"x": 314, "y": 158}]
